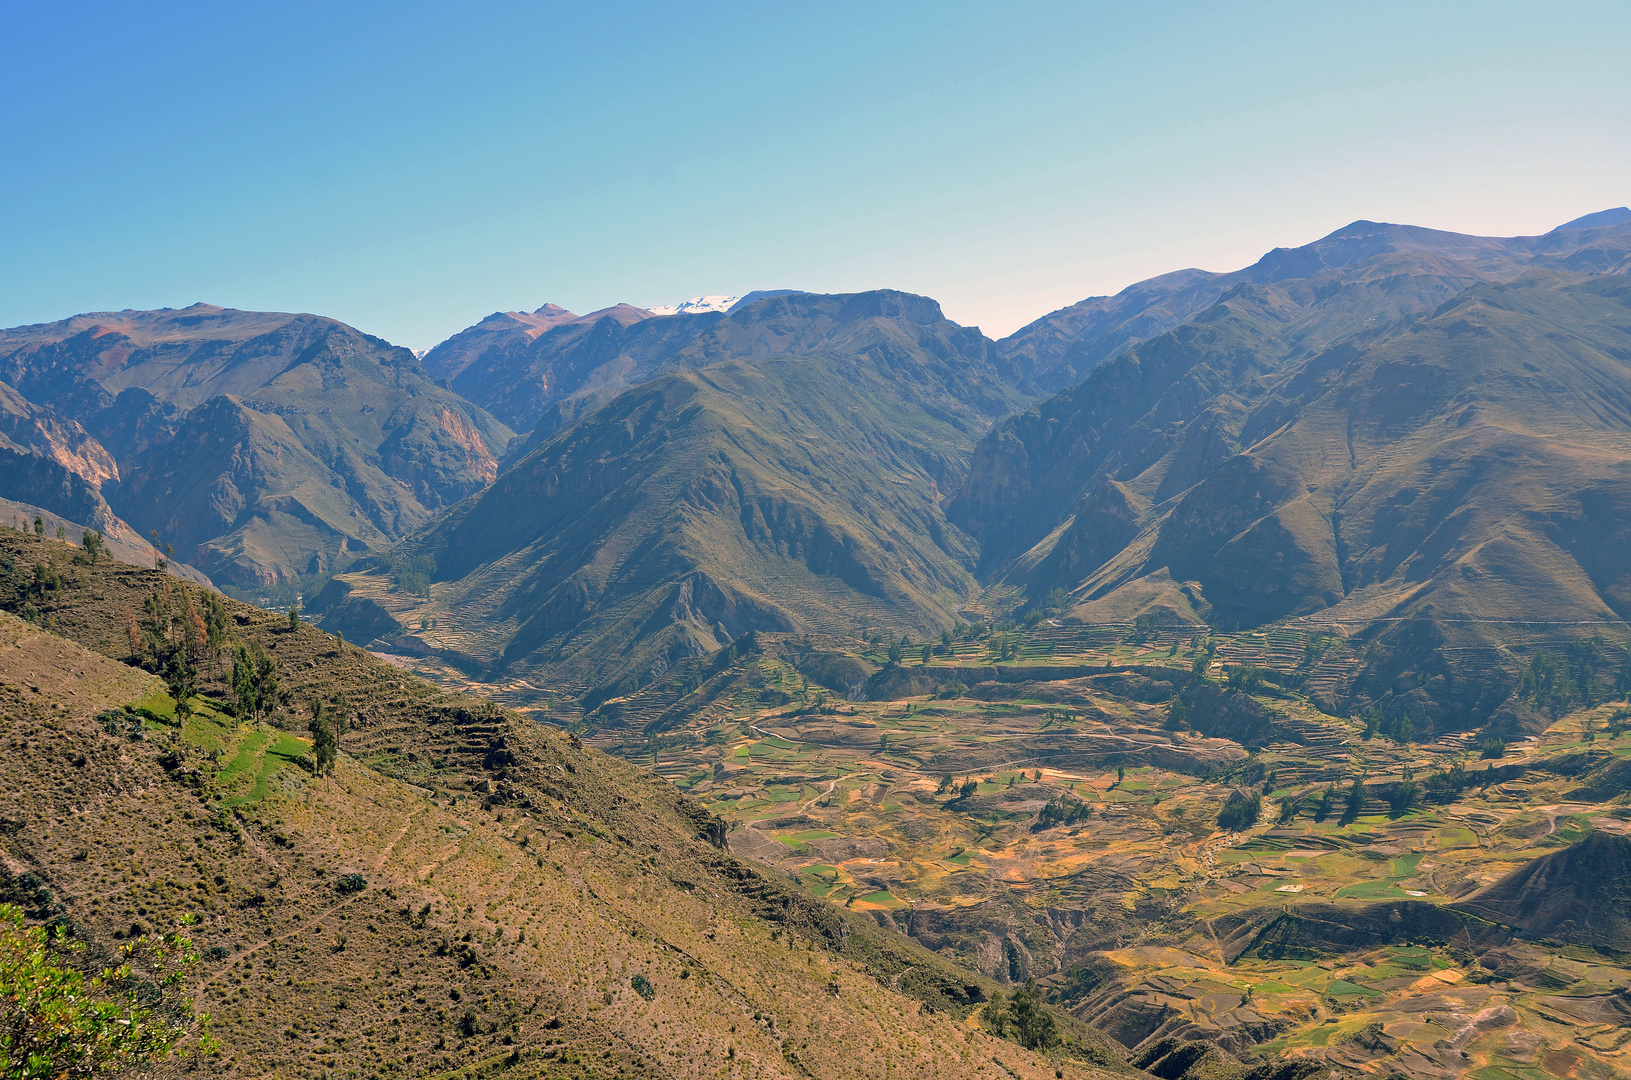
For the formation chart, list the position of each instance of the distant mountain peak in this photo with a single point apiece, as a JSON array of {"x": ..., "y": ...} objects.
[
  {"x": 763, "y": 294},
  {"x": 697, "y": 305},
  {"x": 1619, "y": 215}
]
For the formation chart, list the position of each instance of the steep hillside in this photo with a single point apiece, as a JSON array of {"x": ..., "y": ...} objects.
[
  {"x": 265, "y": 446},
  {"x": 467, "y": 890},
  {"x": 794, "y": 494},
  {"x": 52, "y": 468},
  {"x": 541, "y": 370},
  {"x": 1581, "y": 894},
  {"x": 1393, "y": 440},
  {"x": 500, "y": 331}
]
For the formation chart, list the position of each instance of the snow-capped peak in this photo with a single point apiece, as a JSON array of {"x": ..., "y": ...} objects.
[{"x": 697, "y": 305}]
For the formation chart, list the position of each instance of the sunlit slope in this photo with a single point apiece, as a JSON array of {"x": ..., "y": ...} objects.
[{"x": 468, "y": 889}]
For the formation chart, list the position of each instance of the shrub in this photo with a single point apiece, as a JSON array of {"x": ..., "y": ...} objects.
[
  {"x": 1241, "y": 811},
  {"x": 58, "y": 1022},
  {"x": 643, "y": 987},
  {"x": 351, "y": 883},
  {"x": 1247, "y": 677},
  {"x": 414, "y": 582}
]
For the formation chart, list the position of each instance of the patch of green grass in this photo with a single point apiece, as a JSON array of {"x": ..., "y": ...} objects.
[
  {"x": 156, "y": 705},
  {"x": 1272, "y": 987},
  {"x": 1405, "y": 865},
  {"x": 1454, "y": 838},
  {"x": 1344, "y": 988},
  {"x": 1512, "y": 1071},
  {"x": 1370, "y": 890},
  {"x": 207, "y": 727},
  {"x": 259, "y": 757},
  {"x": 246, "y": 756},
  {"x": 1415, "y": 959},
  {"x": 883, "y": 898}
]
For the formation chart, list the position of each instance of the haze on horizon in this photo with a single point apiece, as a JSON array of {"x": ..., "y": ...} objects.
[{"x": 411, "y": 169}]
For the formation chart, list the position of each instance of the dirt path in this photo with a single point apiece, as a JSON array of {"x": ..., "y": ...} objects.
[
  {"x": 813, "y": 799},
  {"x": 379, "y": 863}
]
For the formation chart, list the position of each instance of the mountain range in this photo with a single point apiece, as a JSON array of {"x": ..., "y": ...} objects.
[
  {"x": 1396, "y": 434},
  {"x": 783, "y": 469},
  {"x": 1225, "y": 680},
  {"x": 266, "y": 447}
]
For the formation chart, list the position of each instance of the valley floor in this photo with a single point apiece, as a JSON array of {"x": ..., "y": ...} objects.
[{"x": 927, "y": 812}]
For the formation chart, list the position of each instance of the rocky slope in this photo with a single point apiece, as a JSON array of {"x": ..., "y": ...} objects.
[
  {"x": 264, "y": 446},
  {"x": 786, "y": 490},
  {"x": 468, "y": 890},
  {"x": 1410, "y": 436}
]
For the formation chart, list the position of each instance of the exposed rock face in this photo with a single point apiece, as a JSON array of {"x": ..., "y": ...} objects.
[
  {"x": 26, "y": 428},
  {"x": 264, "y": 446}
]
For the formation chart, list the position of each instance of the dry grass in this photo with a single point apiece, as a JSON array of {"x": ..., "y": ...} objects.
[{"x": 516, "y": 882}]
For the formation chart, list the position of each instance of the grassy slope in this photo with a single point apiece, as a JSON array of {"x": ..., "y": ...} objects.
[{"x": 516, "y": 882}]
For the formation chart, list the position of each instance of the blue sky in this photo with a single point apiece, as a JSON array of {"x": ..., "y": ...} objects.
[{"x": 411, "y": 168}]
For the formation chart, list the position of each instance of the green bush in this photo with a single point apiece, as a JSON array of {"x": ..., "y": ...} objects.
[
  {"x": 55, "y": 1021},
  {"x": 1241, "y": 811}
]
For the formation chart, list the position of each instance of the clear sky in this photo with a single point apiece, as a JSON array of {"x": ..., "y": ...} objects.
[{"x": 410, "y": 168}]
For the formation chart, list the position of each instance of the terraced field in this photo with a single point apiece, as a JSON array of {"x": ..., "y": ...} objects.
[{"x": 1024, "y": 801}]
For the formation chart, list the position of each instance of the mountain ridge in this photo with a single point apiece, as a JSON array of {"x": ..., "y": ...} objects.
[
  {"x": 380, "y": 446},
  {"x": 775, "y": 489}
]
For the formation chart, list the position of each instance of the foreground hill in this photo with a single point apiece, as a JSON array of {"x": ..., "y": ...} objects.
[
  {"x": 781, "y": 491},
  {"x": 263, "y": 446},
  {"x": 1399, "y": 438},
  {"x": 468, "y": 890},
  {"x": 1579, "y": 895}
]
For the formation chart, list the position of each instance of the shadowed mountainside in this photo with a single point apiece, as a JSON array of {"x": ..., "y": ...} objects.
[
  {"x": 264, "y": 446},
  {"x": 796, "y": 493},
  {"x": 1580, "y": 895},
  {"x": 1398, "y": 439}
]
